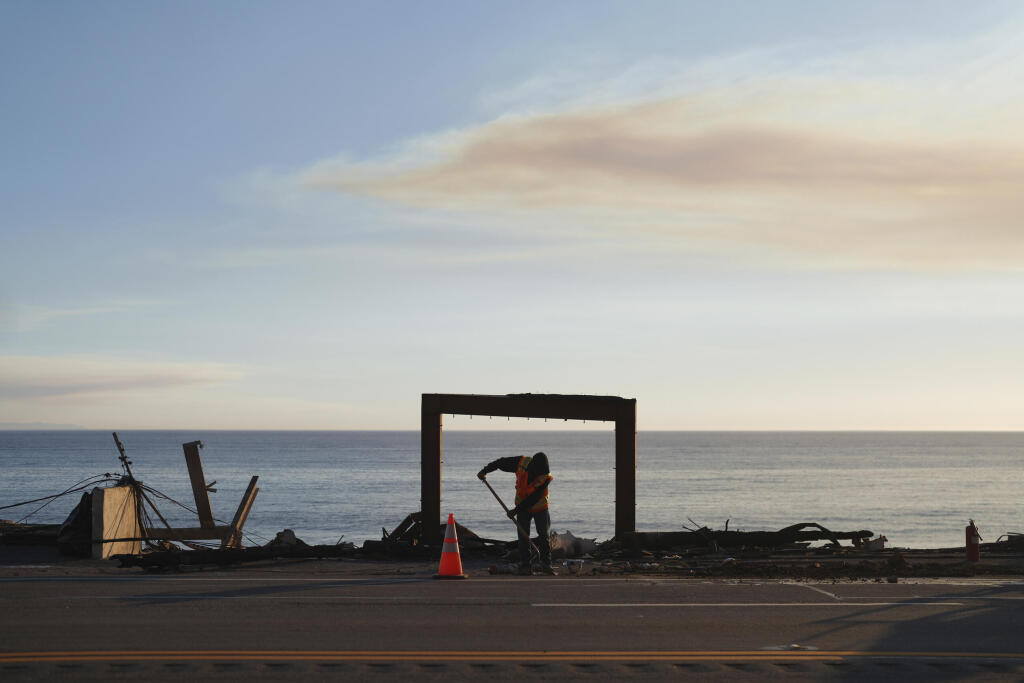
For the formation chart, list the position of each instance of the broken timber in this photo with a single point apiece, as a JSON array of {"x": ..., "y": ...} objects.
[{"x": 230, "y": 535}]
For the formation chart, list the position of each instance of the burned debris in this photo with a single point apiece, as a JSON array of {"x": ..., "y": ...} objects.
[
  {"x": 405, "y": 540},
  {"x": 122, "y": 517},
  {"x": 793, "y": 537},
  {"x": 116, "y": 516},
  {"x": 284, "y": 545}
]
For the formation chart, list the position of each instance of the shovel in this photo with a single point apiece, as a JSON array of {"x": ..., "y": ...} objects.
[{"x": 534, "y": 550}]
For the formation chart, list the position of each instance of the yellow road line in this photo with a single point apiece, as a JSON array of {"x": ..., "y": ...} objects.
[{"x": 476, "y": 655}]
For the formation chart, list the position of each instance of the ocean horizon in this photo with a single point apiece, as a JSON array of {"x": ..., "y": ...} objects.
[{"x": 918, "y": 488}]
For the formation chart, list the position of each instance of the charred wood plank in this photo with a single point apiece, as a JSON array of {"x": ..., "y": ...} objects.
[{"x": 705, "y": 538}]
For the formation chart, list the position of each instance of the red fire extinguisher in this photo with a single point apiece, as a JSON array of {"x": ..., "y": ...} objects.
[{"x": 973, "y": 540}]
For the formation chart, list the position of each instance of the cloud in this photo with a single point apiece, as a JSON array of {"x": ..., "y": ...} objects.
[
  {"x": 124, "y": 393},
  {"x": 25, "y": 318},
  {"x": 852, "y": 166},
  {"x": 58, "y": 377}
]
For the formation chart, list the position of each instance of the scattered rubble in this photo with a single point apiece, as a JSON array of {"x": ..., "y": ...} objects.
[
  {"x": 698, "y": 552},
  {"x": 284, "y": 545},
  {"x": 796, "y": 536},
  {"x": 567, "y": 545}
]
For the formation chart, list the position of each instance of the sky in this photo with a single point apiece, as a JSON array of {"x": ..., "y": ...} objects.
[{"x": 748, "y": 216}]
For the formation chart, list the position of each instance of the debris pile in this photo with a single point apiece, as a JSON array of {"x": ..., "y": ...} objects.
[
  {"x": 404, "y": 540},
  {"x": 696, "y": 551},
  {"x": 794, "y": 537},
  {"x": 119, "y": 517},
  {"x": 568, "y": 545},
  {"x": 284, "y": 545}
]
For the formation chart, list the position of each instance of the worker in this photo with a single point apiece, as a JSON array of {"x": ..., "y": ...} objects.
[{"x": 532, "y": 479}]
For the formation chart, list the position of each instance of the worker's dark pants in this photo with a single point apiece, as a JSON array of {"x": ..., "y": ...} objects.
[{"x": 543, "y": 521}]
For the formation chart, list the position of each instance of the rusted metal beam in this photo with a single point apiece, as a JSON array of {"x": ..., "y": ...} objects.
[
  {"x": 199, "y": 490},
  {"x": 552, "y": 406},
  {"x": 625, "y": 469},
  {"x": 430, "y": 468}
]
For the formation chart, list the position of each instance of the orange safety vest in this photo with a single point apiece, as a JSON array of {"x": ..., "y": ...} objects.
[{"x": 524, "y": 488}]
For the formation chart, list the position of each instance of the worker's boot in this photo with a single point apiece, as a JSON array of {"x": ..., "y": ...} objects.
[{"x": 543, "y": 568}]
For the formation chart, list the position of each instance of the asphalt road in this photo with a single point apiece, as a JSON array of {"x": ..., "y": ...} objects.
[{"x": 299, "y": 624}]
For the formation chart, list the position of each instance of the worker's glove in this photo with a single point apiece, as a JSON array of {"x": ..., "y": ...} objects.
[
  {"x": 481, "y": 475},
  {"x": 513, "y": 513}
]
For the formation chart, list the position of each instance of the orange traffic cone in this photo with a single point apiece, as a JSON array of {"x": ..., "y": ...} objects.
[{"x": 451, "y": 563}]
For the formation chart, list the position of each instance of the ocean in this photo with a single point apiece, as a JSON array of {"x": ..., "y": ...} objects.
[{"x": 916, "y": 488}]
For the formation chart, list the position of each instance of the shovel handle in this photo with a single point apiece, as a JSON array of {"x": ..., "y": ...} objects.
[
  {"x": 500, "y": 501},
  {"x": 515, "y": 521}
]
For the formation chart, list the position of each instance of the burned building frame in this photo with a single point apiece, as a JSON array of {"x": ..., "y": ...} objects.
[{"x": 621, "y": 411}]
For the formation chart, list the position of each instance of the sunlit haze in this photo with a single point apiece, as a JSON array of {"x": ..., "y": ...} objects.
[{"x": 785, "y": 215}]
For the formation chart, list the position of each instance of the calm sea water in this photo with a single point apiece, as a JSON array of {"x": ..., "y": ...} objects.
[{"x": 918, "y": 489}]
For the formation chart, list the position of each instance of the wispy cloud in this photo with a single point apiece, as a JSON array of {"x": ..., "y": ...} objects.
[
  {"x": 26, "y": 317},
  {"x": 857, "y": 165},
  {"x": 112, "y": 392},
  {"x": 34, "y": 377}
]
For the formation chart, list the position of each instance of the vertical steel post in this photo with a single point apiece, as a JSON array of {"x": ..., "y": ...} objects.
[
  {"x": 430, "y": 469},
  {"x": 625, "y": 468}
]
